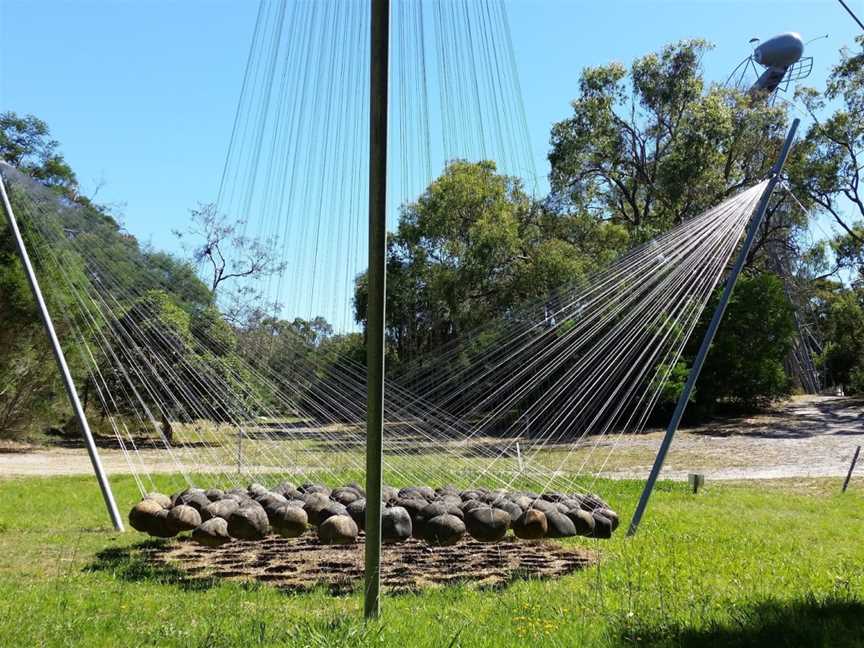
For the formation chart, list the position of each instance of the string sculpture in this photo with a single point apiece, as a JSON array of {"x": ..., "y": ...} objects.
[{"x": 480, "y": 438}]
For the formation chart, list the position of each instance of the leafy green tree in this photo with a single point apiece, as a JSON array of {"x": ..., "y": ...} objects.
[
  {"x": 472, "y": 248},
  {"x": 25, "y": 143},
  {"x": 649, "y": 146},
  {"x": 826, "y": 171},
  {"x": 745, "y": 366}
]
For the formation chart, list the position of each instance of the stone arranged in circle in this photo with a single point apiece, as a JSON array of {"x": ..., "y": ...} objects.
[
  {"x": 444, "y": 530},
  {"x": 357, "y": 511},
  {"x": 248, "y": 523},
  {"x": 183, "y": 518},
  {"x": 212, "y": 533},
  {"x": 602, "y": 526},
  {"x": 610, "y": 515},
  {"x": 560, "y": 526},
  {"x": 487, "y": 524},
  {"x": 531, "y": 525},
  {"x": 221, "y": 509},
  {"x": 338, "y": 530},
  {"x": 315, "y": 503},
  {"x": 289, "y": 521},
  {"x": 142, "y": 516},
  {"x": 583, "y": 522},
  {"x": 163, "y": 500},
  {"x": 395, "y": 524}
]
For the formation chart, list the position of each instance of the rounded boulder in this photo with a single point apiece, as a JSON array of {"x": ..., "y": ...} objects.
[
  {"x": 531, "y": 525},
  {"x": 212, "y": 533},
  {"x": 487, "y": 524},
  {"x": 248, "y": 523},
  {"x": 444, "y": 530},
  {"x": 338, "y": 530}
]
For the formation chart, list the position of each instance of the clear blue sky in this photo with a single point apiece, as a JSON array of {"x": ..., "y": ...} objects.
[{"x": 142, "y": 94}]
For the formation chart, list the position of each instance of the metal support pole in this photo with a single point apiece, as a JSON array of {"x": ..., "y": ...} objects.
[
  {"x": 684, "y": 398},
  {"x": 375, "y": 315},
  {"x": 851, "y": 468},
  {"x": 105, "y": 487}
]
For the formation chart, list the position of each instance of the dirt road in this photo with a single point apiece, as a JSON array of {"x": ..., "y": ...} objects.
[{"x": 811, "y": 436}]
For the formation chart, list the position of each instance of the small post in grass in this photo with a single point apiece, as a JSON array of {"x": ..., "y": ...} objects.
[
  {"x": 697, "y": 480},
  {"x": 375, "y": 314},
  {"x": 851, "y": 468},
  {"x": 60, "y": 357},
  {"x": 699, "y": 360}
]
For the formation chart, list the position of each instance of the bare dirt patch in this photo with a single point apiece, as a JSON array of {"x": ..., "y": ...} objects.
[{"x": 302, "y": 564}]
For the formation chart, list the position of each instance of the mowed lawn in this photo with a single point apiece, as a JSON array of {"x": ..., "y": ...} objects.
[{"x": 759, "y": 563}]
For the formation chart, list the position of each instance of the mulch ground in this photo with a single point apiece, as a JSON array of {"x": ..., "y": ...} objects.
[{"x": 302, "y": 564}]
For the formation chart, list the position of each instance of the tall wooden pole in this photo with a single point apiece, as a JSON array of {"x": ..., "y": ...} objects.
[
  {"x": 65, "y": 374},
  {"x": 375, "y": 314},
  {"x": 684, "y": 398}
]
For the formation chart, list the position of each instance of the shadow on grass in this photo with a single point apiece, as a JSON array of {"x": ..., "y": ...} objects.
[
  {"x": 134, "y": 564},
  {"x": 803, "y": 623}
]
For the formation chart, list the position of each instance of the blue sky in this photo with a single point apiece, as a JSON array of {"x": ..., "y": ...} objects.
[{"x": 142, "y": 94}]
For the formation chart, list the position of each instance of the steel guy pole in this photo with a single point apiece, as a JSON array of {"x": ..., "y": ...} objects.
[
  {"x": 684, "y": 398},
  {"x": 104, "y": 486},
  {"x": 375, "y": 314}
]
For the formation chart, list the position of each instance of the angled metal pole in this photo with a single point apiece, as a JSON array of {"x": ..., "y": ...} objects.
[
  {"x": 375, "y": 314},
  {"x": 684, "y": 398},
  {"x": 104, "y": 486},
  {"x": 851, "y": 468}
]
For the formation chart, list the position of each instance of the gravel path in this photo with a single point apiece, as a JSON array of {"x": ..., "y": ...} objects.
[{"x": 809, "y": 436}]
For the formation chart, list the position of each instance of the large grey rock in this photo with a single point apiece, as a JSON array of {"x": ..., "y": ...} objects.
[
  {"x": 142, "y": 516},
  {"x": 444, "y": 530},
  {"x": 395, "y": 524},
  {"x": 214, "y": 494},
  {"x": 602, "y": 525},
  {"x": 419, "y": 519},
  {"x": 345, "y": 495},
  {"x": 357, "y": 511},
  {"x": 487, "y": 524},
  {"x": 193, "y": 497},
  {"x": 308, "y": 489},
  {"x": 256, "y": 489},
  {"x": 531, "y": 525},
  {"x": 183, "y": 518},
  {"x": 467, "y": 505},
  {"x": 523, "y": 502},
  {"x": 582, "y": 521},
  {"x": 332, "y": 508},
  {"x": 212, "y": 533},
  {"x": 411, "y": 504},
  {"x": 163, "y": 500},
  {"x": 338, "y": 529},
  {"x": 610, "y": 515},
  {"x": 560, "y": 526},
  {"x": 512, "y": 509},
  {"x": 221, "y": 509},
  {"x": 314, "y": 504},
  {"x": 160, "y": 527},
  {"x": 289, "y": 521},
  {"x": 248, "y": 523},
  {"x": 543, "y": 505},
  {"x": 592, "y": 501}
]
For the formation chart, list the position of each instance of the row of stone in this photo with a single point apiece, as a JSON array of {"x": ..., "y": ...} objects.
[{"x": 441, "y": 516}]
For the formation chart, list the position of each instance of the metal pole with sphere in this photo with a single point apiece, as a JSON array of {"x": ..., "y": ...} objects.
[
  {"x": 59, "y": 356},
  {"x": 375, "y": 315},
  {"x": 684, "y": 398}
]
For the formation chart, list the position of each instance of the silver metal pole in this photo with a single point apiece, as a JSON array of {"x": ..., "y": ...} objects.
[
  {"x": 105, "y": 487},
  {"x": 375, "y": 315},
  {"x": 851, "y": 468},
  {"x": 684, "y": 398}
]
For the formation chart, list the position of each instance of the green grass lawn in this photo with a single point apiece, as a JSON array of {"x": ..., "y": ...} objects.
[{"x": 771, "y": 563}]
